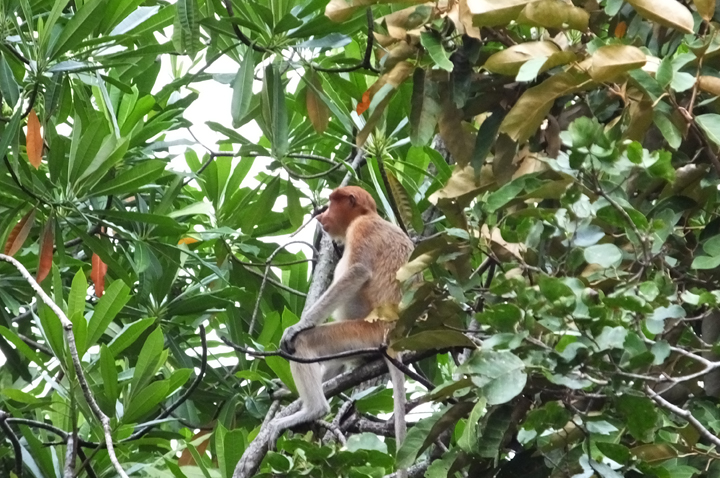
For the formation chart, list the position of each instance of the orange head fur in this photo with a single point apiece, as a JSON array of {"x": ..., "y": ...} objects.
[{"x": 346, "y": 204}]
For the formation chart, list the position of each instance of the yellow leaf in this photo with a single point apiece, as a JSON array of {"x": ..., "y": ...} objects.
[
  {"x": 668, "y": 13},
  {"x": 459, "y": 141},
  {"x": 554, "y": 14},
  {"x": 709, "y": 84},
  {"x": 706, "y": 8},
  {"x": 495, "y": 12},
  {"x": 464, "y": 184},
  {"x": 609, "y": 62},
  {"x": 533, "y": 106},
  {"x": 509, "y": 60},
  {"x": 339, "y": 10}
]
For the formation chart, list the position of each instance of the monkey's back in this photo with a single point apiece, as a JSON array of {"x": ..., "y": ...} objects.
[{"x": 384, "y": 248}]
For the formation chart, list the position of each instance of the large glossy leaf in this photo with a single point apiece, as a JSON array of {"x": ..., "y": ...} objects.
[
  {"x": 669, "y": 13},
  {"x": 609, "y": 62}
]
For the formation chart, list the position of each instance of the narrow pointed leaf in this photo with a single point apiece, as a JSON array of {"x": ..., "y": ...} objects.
[
  {"x": 19, "y": 233},
  {"x": 242, "y": 88},
  {"x": 46, "y": 251},
  {"x": 34, "y": 141}
]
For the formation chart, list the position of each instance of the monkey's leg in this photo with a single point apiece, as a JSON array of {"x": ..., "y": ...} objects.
[{"x": 322, "y": 340}]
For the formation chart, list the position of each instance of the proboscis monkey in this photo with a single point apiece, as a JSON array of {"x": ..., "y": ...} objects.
[{"x": 364, "y": 279}]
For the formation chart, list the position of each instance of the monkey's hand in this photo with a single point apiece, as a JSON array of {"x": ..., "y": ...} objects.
[{"x": 287, "y": 341}]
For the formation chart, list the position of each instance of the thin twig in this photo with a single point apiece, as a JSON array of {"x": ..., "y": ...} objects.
[
  {"x": 193, "y": 386},
  {"x": 239, "y": 34},
  {"x": 17, "y": 450},
  {"x": 686, "y": 414},
  {"x": 407, "y": 371},
  {"x": 19, "y": 184},
  {"x": 628, "y": 220},
  {"x": 295, "y": 358},
  {"x": 268, "y": 264},
  {"x": 366, "y": 62},
  {"x": 70, "y": 337},
  {"x": 334, "y": 430}
]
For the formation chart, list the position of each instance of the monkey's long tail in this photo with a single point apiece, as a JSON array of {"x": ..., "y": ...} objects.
[{"x": 397, "y": 377}]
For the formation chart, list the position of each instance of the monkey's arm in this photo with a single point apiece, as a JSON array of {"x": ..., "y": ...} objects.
[{"x": 340, "y": 291}]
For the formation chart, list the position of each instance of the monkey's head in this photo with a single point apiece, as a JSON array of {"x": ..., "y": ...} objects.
[{"x": 346, "y": 204}]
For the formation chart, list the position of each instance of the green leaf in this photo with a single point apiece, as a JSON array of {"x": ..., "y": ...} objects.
[
  {"x": 530, "y": 69},
  {"x": 615, "y": 451},
  {"x": 10, "y": 132},
  {"x": 500, "y": 375},
  {"x": 294, "y": 210},
  {"x": 485, "y": 139},
  {"x": 114, "y": 299},
  {"x": 496, "y": 426},
  {"x": 433, "y": 339},
  {"x": 279, "y": 464},
  {"x": 668, "y": 129},
  {"x": 80, "y": 25},
  {"x": 100, "y": 247},
  {"x": 109, "y": 374},
  {"x": 469, "y": 439},
  {"x": 242, "y": 88},
  {"x": 415, "y": 440},
  {"x": 440, "y": 468},
  {"x": 425, "y": 109},
  {"x": 147, "y": 360},
  {"x": 144, "y": 402},
  {"x": 186, "y": 29},
  {"x": 132, "y": 179},
  {"x": 281, "y": 367},
  {"x": 52, "y": 330},
  {"x": 641, "y": 415},
  {"x": 128, "y": 335},
  {"x": 710, "y": 124},
  {"x": 431, "y": 42},
  {"x": 21, "y": 346},
  {"x": 505, "y": 194},
  {"x": 274, "y": 101},
  {"x": 8, "y": 86},
  {"x": 366, "y": 441},
  {"x": 605, "y": 255},
  {"x": 78, "y": 292}
]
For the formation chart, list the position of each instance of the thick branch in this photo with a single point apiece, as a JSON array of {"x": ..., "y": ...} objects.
[{"x": 255, "y": 452}]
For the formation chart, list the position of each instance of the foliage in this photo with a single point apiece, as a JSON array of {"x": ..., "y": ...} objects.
[{"x": 555, "y": 161}]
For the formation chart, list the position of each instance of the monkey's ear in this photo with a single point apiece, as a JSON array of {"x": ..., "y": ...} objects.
[{"x": 353, "y": 200}]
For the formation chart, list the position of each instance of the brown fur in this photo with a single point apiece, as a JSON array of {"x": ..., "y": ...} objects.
[{"x": 365, "y": 278}]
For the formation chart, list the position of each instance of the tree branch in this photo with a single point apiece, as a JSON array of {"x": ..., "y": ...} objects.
[
  {"x": 193, "y": 386},
  {"x": 255, "y": 452},
  {"x": 70, "y": 337},
  {"x": 367, "y": 58},
  {"x": 14, "y": 441},
  {"x": 239, "y": 34},
  {"x": 686, "y": 414}
]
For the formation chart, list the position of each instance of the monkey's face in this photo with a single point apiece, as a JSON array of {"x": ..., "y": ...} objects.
[{"x": 336, "y": 219}]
